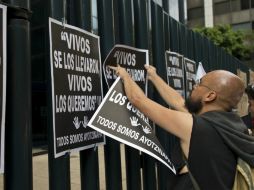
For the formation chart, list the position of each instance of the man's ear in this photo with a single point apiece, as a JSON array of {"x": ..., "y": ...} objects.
[{"x": 210, "y": 96}]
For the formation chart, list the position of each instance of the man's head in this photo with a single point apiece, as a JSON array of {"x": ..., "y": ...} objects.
[
  {"x": 250, "y": 92},
  {"x": 217, "y": 90}
]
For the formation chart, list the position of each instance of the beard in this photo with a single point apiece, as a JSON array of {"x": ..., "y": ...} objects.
[{"x": 193, "y": 106}]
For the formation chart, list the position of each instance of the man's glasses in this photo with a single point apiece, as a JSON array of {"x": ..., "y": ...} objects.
[{"x": 196, "y": 83}]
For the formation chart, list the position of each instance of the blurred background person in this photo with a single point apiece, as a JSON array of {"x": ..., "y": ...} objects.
[{"x": 249, "y": 119}]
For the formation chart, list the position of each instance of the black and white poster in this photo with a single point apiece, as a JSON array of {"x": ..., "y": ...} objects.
[
  {"x": 127, "y": 124},
  {"x": 175, "y": 71},
  {"x": 133, "y": 59},
  {"x": 76, "y": 86},
  {"x": 3, "y": 13},
  {"x": 190, "y": 72}
]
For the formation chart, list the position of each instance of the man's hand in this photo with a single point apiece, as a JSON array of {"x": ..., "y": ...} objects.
[
  {"x": 151, "y": 72},
  {"x": 120, "y": 71}
]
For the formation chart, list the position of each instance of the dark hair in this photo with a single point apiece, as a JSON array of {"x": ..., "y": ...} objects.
[{"x": 250, "y": 91}]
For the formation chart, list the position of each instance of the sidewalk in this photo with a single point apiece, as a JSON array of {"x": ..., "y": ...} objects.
[{"x": 40, "y": 171}]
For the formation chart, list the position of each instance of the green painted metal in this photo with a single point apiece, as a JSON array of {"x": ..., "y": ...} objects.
[
  {"x": 166, "y": 31},
  {"x": 112, "y": 148},
  {"x": 79, "y": 14},
  {"x": 182, "y": 40},
  {"x": 159, "y": 63},
  {"x": 59, "y": 168},
  {"x": 18, "y": 140},
  {"x": 142, "y": 41},
  {"x": 174, "y": 35},
  {"x": 126, "y": 36}
]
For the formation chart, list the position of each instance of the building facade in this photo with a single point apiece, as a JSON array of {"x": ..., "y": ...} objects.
[{"x": 238, "y": 13}]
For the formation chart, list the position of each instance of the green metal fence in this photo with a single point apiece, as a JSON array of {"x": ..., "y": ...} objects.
[{"x": 138, "y": 23}]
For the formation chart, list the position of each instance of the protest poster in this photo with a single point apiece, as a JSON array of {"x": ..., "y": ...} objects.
[
  {"x": 3, "y": 13},
  {"x": 133, "y": 59},
  {"x": 117, "y": 118},
  {"x": 190, "y": 75},
  {"x": 175, "y": 71},
  {"x": 76, "y": 86}
]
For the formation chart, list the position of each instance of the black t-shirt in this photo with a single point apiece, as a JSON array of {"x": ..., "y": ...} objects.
[
  {"x": 179, "y": 181},
  {"x": 211, "y": 162}
]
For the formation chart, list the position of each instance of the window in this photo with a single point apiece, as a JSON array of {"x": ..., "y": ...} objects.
[
  {"x": 242, "y": 26},
  {"x": 235, "y": 5},
  {"x": 246, "y": 4},
  {"x": 221, "y": 8},
  {"x": 195, "y": 13}
]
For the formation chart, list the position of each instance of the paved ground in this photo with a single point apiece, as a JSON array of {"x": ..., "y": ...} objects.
[{"x": 40, "y": 171}]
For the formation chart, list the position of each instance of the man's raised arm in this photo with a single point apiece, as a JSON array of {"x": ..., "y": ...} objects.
[
  {"x": 170, "y": 95},
  {"x": 177, "y": 123}
]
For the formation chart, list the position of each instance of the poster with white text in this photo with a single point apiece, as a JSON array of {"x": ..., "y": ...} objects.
[
  {"x": 175, "y": 71},
  {"x": 133, "y": 59},
  {"x": 190, "y": 75},
  {"x": 3, "y": 13},
  {"x": 117, "y": 118},
  {"x": 76, "y": 86}
]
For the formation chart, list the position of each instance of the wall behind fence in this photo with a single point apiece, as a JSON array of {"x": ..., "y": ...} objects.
[{"x": 138, "y": 23}]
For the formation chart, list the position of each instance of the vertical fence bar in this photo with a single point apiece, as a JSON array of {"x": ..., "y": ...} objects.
[
  {"x": 59, "y": 168},
  {"x": 86, "y": 15},
  {"x": 75, "y": 13},
  {"x": 219, "y": 57},
  {"x": 126, "y": 36},
  {"x": 18, "y": 157},
  {"x": 212, "y": 55},
  {"x": 182, "y": 39},
  {"x": 165, "y": 5},
  {"x": 198, "y": 48},
  {"x": 169, "y": 140},
  {"x": 89, "y": 168},
  {"x": 206, "y": 62},
  {"x": 190, "y": 45},
  {"x": 112, "y": 148},
  {"x": 174, "y": 35},
  {"x": 181, "y": 11},
  {"x": 142, "y": 41},
  {"x": 159, "y": 62},
  {"x": 166, "y": 31}
]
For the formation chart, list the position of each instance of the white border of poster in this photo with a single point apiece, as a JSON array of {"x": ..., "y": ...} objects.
[
  {"x": 53, "y": 92},
  {"x": 4, "y": 8},
  {"x": 132, "y": 48}
]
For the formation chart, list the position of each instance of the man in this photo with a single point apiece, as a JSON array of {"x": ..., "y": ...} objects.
[
  {"x": 211, "y": 138},
  {"x": 249, "y": 119}
]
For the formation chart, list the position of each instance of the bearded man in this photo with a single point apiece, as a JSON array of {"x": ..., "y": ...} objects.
[{"x": 211, "y": 135}]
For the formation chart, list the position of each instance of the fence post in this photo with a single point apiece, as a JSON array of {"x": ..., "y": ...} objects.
[
  {"x": 181, "y": 11},
  {"x": 89, "y": 168},
  {"x": 141, "y": 20},
  {"x": 18, "y": 160},
  {"x": 112, "y": 148},
  {"x": 59, "y": 168},
  {"x": 159, "y": 62},
  {"x": 126, "y": 36}
]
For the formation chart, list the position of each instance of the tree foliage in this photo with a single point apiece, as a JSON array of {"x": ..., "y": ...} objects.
[{"x": 237, "y": 43}]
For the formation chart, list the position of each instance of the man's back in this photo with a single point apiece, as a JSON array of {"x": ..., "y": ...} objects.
[{"x": 211, "y": 161}]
